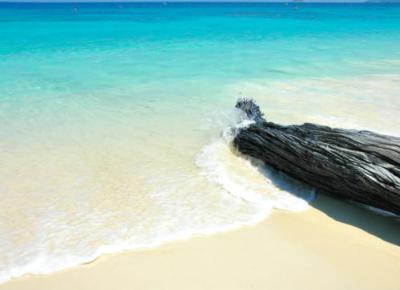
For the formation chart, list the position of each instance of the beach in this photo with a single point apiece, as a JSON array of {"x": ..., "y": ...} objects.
[
  {"x": 116, "y": 128},
  {"x": 331, "y": 246}
]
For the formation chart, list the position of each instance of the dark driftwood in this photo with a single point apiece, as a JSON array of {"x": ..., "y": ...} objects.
[{"x": 361, "y": 166}]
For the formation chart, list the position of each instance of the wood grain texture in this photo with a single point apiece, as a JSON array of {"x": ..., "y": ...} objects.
[{"x": 361, "y": 166}]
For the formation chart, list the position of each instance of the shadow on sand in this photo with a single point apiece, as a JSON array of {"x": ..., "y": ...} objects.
[{"x": 384, "y": 227}]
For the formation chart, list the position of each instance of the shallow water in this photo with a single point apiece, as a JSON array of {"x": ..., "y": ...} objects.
[{"x": 114, "y": 117}]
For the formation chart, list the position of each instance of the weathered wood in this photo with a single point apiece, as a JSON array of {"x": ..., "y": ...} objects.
[{"x": 361, "y": 166}]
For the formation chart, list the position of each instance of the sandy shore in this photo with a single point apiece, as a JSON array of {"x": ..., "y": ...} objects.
[{"x": 331, "y": 246}]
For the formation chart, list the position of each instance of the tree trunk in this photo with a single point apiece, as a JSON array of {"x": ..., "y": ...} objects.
[{"x": 361, "y": 166}]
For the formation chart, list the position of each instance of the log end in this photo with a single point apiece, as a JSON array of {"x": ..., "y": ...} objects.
[{"x": 250, "y": 108}]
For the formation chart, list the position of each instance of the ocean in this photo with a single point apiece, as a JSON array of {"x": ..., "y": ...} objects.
[{"x": 116, "y": 119}]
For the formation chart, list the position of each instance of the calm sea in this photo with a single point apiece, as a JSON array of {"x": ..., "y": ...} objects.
[{"x": 114, "y": 118}]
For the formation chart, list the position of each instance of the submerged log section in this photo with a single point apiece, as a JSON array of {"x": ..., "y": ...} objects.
[{"x": 361, "y": 166}]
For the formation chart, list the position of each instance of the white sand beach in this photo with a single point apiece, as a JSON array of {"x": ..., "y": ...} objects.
[{"x": 333, "y": 245}]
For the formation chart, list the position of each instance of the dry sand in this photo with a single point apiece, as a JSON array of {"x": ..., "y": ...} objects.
[{"x": 333, "y": 245}]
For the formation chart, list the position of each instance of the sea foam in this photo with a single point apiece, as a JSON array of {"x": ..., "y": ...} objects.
[
  {"x": 247, "y": 178},
  {"x": 68, "y": 229}
]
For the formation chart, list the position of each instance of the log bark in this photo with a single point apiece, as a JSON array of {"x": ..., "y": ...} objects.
[{"x": 361, "y": 166}]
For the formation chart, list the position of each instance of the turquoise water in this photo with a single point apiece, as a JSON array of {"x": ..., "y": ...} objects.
[{"x": 114, "y": 117}]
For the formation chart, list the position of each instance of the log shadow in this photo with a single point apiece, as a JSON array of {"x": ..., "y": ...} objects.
[{"x": 384, "y": 227}]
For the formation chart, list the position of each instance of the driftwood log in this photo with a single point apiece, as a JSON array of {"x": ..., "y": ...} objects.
[{"x": 361, "y": 166}]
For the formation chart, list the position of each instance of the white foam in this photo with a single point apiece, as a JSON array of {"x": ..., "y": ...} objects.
[
  {"x": 75, "y": 222},
  {"x": 249, "y": 179},
  {"x": 45, "y": 262}
]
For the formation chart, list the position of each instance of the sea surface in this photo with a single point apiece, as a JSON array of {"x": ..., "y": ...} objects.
[{"x": 116, "y": 119}]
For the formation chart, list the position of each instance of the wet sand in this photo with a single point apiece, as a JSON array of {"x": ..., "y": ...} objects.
[{"x": 333, "y": 245}]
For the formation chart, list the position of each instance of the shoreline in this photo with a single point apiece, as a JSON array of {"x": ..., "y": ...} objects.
[{"x": 333, "y": 245}]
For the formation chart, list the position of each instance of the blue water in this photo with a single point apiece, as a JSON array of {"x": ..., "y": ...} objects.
[{"x": 111, "y": 115}]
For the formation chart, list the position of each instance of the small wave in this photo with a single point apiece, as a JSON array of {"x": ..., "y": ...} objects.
[
  {"x": 249, "y": 179},
  {"x": 242, "y": 192}
]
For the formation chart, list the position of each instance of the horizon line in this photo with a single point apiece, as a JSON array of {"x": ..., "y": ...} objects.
[{"x": 210, "y": 1}]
